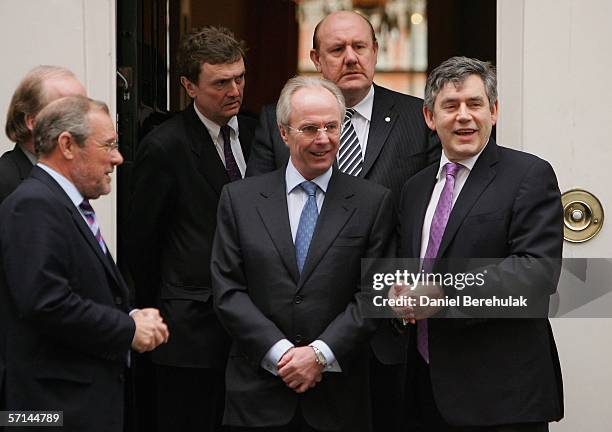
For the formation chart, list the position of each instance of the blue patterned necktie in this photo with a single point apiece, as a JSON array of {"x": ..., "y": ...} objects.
[
  {"x": 436, "y": 231},
  {"x": 308, "y": 221}
]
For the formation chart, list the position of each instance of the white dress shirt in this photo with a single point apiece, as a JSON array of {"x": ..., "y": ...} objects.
[
  {"x": 296, "y": 199},
  {"x": 217, "y": 138},
  {"x": 460, "y": 179}
]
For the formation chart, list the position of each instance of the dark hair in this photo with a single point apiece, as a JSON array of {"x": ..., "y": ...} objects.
[
  {"x": 315, "y": 39},
  {"x": 457, "y": 70},
  {"x": 213, "y": 45}
]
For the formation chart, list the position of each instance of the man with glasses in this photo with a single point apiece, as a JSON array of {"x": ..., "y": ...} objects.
[
  {"x": 286, "y": 270},
  {"x": 384, "y": 140},
  {"x": 65, "y": 323}
]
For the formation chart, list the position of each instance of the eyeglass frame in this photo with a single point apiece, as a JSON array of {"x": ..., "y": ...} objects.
[{"x": 319, "y": 130}]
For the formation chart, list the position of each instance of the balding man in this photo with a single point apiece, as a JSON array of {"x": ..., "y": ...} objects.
[
  {"x": 384, "y": 140},
  {"x": 65, "y": 331},
  {"x": 40, "y": 86}
]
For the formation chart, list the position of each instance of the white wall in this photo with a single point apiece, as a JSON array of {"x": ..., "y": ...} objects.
[
  {"x": 77, "y": 34},
  {"x": 555, "y": 68}
]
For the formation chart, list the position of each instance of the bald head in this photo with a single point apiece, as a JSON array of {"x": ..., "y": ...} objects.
[{"x": 342, "y": 16}]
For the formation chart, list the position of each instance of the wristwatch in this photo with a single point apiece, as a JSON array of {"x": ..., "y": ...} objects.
[{"x": 319, "y": 357}]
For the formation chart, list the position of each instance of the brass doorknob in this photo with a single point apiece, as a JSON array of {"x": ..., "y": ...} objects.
[{"x": 582, "y": 215}]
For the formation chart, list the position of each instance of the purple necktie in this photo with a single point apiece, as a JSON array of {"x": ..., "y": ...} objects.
[
  {"x": 230, "y": 162},
  {"x": 90, "y": 215},
  {"x": 436, "y": 231}
]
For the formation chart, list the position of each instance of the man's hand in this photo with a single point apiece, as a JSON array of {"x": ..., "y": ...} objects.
[
  {"x": 419, "y": 298},
  {"x": 150, "y": 330},
  {"x": 299, "y": 369}
]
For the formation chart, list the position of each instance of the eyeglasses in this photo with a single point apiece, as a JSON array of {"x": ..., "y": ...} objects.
[
  {"x": 310, "y": 132},
  {"x": 108, "y": 146}
]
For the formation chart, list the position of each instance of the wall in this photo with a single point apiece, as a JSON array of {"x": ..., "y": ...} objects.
[{"x": 77, "y": 34}]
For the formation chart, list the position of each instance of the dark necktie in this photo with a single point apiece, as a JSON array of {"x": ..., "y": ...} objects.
[
  {"x": 436, "y": 231},
  {"x": 90, "y": 215},
  {"x": 350, "y": 160},
  {"x": 230, "y": 162},
  {"x": 308, "y": 221}
]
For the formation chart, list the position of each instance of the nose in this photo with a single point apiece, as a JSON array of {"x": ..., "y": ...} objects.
[
  {"x": 116, "y": 157},
  {"x": 350, "y": 56},
  {"x": 463, "y": 113},
  {"x": 233, "y": 90}
]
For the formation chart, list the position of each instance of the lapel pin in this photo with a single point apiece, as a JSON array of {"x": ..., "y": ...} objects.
[{"x": 387, "y": 119}]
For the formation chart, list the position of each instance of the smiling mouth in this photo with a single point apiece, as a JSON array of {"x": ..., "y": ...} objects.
[
  {"x": 319, "y": 154},
  {"x": 465, "y": 132}
]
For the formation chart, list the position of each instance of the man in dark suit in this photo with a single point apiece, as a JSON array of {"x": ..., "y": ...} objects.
[
  {"x": 385, "y": 140},
  {"x": 178, "y": 174},
  {"x": 65, "y": 320},
  {"x": 482, "y": 201},
  {"x": 40, "y": 86},
  {"x": 286, "y": 270}
]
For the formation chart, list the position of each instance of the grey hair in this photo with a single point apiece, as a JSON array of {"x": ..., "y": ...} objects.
[
  {"x": 283, "y": 107},
  {"x": 456, "y": 70},
  {"x": 67, "y": 114},
  {"x": 29, "y": 98}
]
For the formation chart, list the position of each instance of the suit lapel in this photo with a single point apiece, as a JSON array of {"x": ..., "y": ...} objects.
[
  {"x": 83, "y": 227},
  {"x": 337, "y": 209},
  {"x": 479, "y": 179},
  {"x": 272, "y": 209},
  {"x": 419, "y": 208},
  {"x": 245, "y": 136},
  {"x": 202, "y": 146},
  {"x": 380, "y": 127}
]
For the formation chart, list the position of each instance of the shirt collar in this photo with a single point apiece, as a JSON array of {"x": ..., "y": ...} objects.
[
  {"x": 214, "y": 128},
  {"x": 293, "y": 178},
  {"x": 364, "y": 107},
  {"x": 68, "y": 187},
  {"x": 467, "y": 163}
]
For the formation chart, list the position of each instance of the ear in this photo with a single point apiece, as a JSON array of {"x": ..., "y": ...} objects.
[
  {"x": 284, "y": 134},
  {"x": 429, "y": 118},
  {"x": 314, "y": 56},
  {"x": 494, "y": 111},
  {"x": 66, "y": 145},
  {"x": 189, "y": 87},
  {"x": 29, "y": 121},
  {"x": 375, "y": 48}
]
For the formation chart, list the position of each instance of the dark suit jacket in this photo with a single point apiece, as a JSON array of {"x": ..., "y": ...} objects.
[
  {"x": 63, "y": 312},
  {"x": 260, "y": 297},
  {"x": 396, "y": 150},
  {"x": 14, "y": 168},
  {"x": 494, "y": 371},
  {"x": 177, "y": 180}
]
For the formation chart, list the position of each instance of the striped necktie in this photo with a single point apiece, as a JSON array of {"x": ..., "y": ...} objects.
[
  {"x": 90, "y": 215},
  {"x": 350, "y": 160}
]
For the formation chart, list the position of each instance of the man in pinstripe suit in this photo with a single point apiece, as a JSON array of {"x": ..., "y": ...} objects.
[{"x": 394, "y": 144}]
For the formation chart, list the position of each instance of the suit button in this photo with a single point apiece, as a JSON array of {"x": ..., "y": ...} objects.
[
  {"x": 298, "y": 299},
  {"x": 298, "y": 338},
  {"x": 118, "y": 301}
]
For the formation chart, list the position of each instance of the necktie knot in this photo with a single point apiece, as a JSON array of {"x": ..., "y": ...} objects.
[
  {"x": 452, "y": 168},
  {"x": 310, "y": 188},
  {"x": 348, "y": 114},
  {"x": 225, "y": 133}
]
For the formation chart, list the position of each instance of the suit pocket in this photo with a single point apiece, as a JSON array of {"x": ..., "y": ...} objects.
[
  {"x": 349, "y": 241},
  {"x": 66, "y": 372},
  {"x": 481, "y": 218},
  {"x": 197, "y": 293}
]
